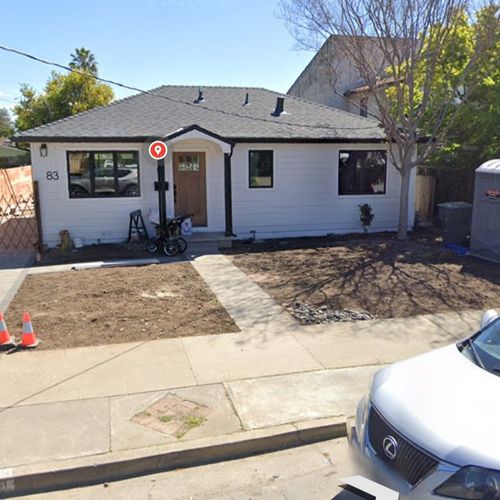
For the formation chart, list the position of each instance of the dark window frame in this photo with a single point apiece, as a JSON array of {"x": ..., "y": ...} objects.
[
  {"x": 350, "y": 151},
  {"x": 114, "y": 153},
  {"x": 250, "y": 151}
]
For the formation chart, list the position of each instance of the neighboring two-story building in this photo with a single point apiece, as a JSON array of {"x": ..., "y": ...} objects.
[{"x": 331, "y": 79}]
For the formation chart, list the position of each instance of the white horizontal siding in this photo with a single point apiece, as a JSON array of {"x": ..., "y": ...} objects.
[
  {"x": 304, "y": 199},
  {"x": 106, "y": 219}
]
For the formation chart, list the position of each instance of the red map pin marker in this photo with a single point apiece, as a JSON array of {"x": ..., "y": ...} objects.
[{"x": 158, "y": 150}]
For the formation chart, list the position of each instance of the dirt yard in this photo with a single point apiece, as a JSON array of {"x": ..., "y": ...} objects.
[
  {"x": 107, "y": 306},
  {"x": 383, "y": 277}
]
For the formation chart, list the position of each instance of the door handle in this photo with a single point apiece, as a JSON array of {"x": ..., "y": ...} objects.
[{"x": 175, "y": 193}]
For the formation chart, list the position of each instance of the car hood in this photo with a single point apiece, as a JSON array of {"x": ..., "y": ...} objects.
[{"x": 444, "y": 403}]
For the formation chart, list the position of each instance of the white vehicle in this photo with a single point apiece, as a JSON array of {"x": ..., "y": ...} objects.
[{"x": 430, "y": 426}]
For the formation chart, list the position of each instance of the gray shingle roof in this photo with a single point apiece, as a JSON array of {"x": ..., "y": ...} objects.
[{"x": 143, "y": 116}]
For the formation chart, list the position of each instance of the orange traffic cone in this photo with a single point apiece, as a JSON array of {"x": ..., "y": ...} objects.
[
  {"x": 5, "y": 338},
  {"x": 28, "y": 340}
]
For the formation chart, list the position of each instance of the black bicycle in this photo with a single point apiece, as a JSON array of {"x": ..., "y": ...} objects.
[{"x": 170, "y": 239}]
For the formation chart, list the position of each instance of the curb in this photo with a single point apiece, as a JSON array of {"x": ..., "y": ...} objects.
[{"x": 39, "y": 478}]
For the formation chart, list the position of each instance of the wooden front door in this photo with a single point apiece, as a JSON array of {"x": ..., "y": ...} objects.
[{"x": 190, "y": 186}]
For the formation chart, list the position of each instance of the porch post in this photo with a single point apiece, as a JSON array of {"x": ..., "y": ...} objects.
[
  {"x": 162, "y": 205},
  {"x": 228, "y": 196}
]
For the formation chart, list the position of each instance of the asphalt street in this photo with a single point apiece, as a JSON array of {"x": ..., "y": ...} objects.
[{"x": 307, "y": 472}]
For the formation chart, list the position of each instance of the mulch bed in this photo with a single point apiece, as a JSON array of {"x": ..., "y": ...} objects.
[{"x": 113, "y": 305}]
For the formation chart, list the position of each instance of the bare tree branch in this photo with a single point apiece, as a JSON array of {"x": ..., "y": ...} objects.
[{"x": 404, "y": 39}]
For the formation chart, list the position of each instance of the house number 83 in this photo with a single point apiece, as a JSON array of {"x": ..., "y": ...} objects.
[{"x": 52, "y": 175}]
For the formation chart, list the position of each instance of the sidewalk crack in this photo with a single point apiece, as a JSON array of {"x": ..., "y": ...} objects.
[
  {"x": 109, "y": 424},
  {"x": 189, "y": 361},
  {"x": 231, "y": 402}
]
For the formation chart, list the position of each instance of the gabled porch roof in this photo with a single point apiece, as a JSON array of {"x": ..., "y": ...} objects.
[{"x": 196, "y": 132}]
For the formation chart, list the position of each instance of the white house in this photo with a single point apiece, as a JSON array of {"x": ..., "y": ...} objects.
[{"x": 240, "y": 160}]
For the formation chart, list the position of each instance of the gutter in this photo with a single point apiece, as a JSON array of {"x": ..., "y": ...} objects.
[{"x": 284, "y": 140}]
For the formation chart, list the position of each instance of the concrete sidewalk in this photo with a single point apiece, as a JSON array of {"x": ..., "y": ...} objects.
[
  {"x": 80, "y": 402},
  {"x": 69, "y": 404}
]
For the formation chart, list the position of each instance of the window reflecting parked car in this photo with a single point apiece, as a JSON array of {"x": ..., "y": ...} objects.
[{"x": 80, "y": 186}]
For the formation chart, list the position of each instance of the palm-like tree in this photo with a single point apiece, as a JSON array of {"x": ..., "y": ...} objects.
[{"x": 83, "y": 60}]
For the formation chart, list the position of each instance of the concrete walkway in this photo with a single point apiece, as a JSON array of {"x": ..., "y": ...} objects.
[
  {"x": 13, "y": 268},
  {"x": 251, "y": 308},
  {"x": 81, "y": 402}
]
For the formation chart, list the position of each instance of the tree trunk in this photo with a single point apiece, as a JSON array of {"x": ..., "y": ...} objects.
[{"x": 403, "y": 203}]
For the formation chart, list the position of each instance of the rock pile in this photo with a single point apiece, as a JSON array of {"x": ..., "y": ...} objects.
[{"x": 308, "y": 314}]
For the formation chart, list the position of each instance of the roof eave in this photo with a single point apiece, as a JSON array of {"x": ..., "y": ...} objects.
[
  {"x": 309, "y": 140},
  {"x": 36, "y": 138},
  {"x": 185, "y": 130},
  {"x": 229, "y": 140}
]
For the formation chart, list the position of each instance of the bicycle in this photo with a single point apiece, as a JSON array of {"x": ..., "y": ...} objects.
[{"x": 169, "y": 239}]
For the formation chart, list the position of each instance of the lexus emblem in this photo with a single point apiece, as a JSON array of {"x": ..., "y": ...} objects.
[{"x": 390, "y": 447}]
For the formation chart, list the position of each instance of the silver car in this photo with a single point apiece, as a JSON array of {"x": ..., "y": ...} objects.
[
  {"x": 430, "y": 426},
  {"x": 104, "y": 182}
]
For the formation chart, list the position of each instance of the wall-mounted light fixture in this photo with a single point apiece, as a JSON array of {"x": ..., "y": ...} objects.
[{"x": 43, "y": 150}]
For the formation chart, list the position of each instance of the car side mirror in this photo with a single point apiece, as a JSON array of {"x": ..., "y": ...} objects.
[{"x": 488, "y": 317}]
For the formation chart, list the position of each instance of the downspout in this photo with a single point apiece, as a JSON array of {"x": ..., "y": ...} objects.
[
  {"x": 228, "y": 195},
  {"x": 162, "y": 204}
]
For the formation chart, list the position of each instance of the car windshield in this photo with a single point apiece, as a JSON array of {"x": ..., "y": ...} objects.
[{"x": 486, "y": 346}]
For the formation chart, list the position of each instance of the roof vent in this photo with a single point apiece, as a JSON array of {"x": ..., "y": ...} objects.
[
  {"x": 200, "y": 97},
  {"x": 247, "y": 100},
  {"x": 280, "y": 107}
]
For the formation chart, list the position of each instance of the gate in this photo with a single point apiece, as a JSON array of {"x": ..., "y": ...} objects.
[
  {"x": 425, "y": 193},
  {"x": 18, "y": 212}
]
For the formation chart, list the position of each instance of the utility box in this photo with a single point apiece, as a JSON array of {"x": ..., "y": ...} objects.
[
  {"x": 455, "y": 218},
  {"x": 485, "y": 236}
]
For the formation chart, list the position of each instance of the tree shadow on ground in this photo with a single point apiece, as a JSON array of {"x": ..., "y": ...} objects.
[{"x": 386, "y": 277}]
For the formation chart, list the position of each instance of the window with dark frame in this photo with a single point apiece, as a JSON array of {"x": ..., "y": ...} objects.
[
  {"x": 261, "y": 168},
  {"x": 362, "y": 172},
  {"x": 103, "y": 174}
]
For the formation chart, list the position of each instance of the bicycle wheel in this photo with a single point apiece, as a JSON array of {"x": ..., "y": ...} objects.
[
  {"x": 170, "y": 248},
  {"x": 151, "y": 246},
  {"x": 181, "y": 244}
]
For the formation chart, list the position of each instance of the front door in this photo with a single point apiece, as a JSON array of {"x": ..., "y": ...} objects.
[{"x": 190, "y": 187}]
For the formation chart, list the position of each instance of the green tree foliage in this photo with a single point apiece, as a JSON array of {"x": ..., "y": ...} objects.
[
  {"x": 83, "y": 60},
  {"x": 474, "y": 134},
  {"x": 6, "y": 128},
  {"x": 64, "y": 95},
  {"x": 471, "y": 121}
]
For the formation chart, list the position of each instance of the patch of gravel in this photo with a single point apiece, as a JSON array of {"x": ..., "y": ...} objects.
[{"x": 307, "y": 314}]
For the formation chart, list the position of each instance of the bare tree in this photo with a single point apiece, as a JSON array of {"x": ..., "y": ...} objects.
[{"x": 411, "y": 35}]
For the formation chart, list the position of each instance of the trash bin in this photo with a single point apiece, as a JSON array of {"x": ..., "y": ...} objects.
[{"x": 455, "y": 217}]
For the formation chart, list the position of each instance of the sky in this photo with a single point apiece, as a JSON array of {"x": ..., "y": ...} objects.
[{"x": 153, "y": 42}]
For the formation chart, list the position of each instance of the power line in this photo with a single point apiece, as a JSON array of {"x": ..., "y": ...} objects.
[{"x": 172, "y": 99}]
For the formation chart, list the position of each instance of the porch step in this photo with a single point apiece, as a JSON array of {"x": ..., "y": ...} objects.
[{"x": 218, "y": 239}]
